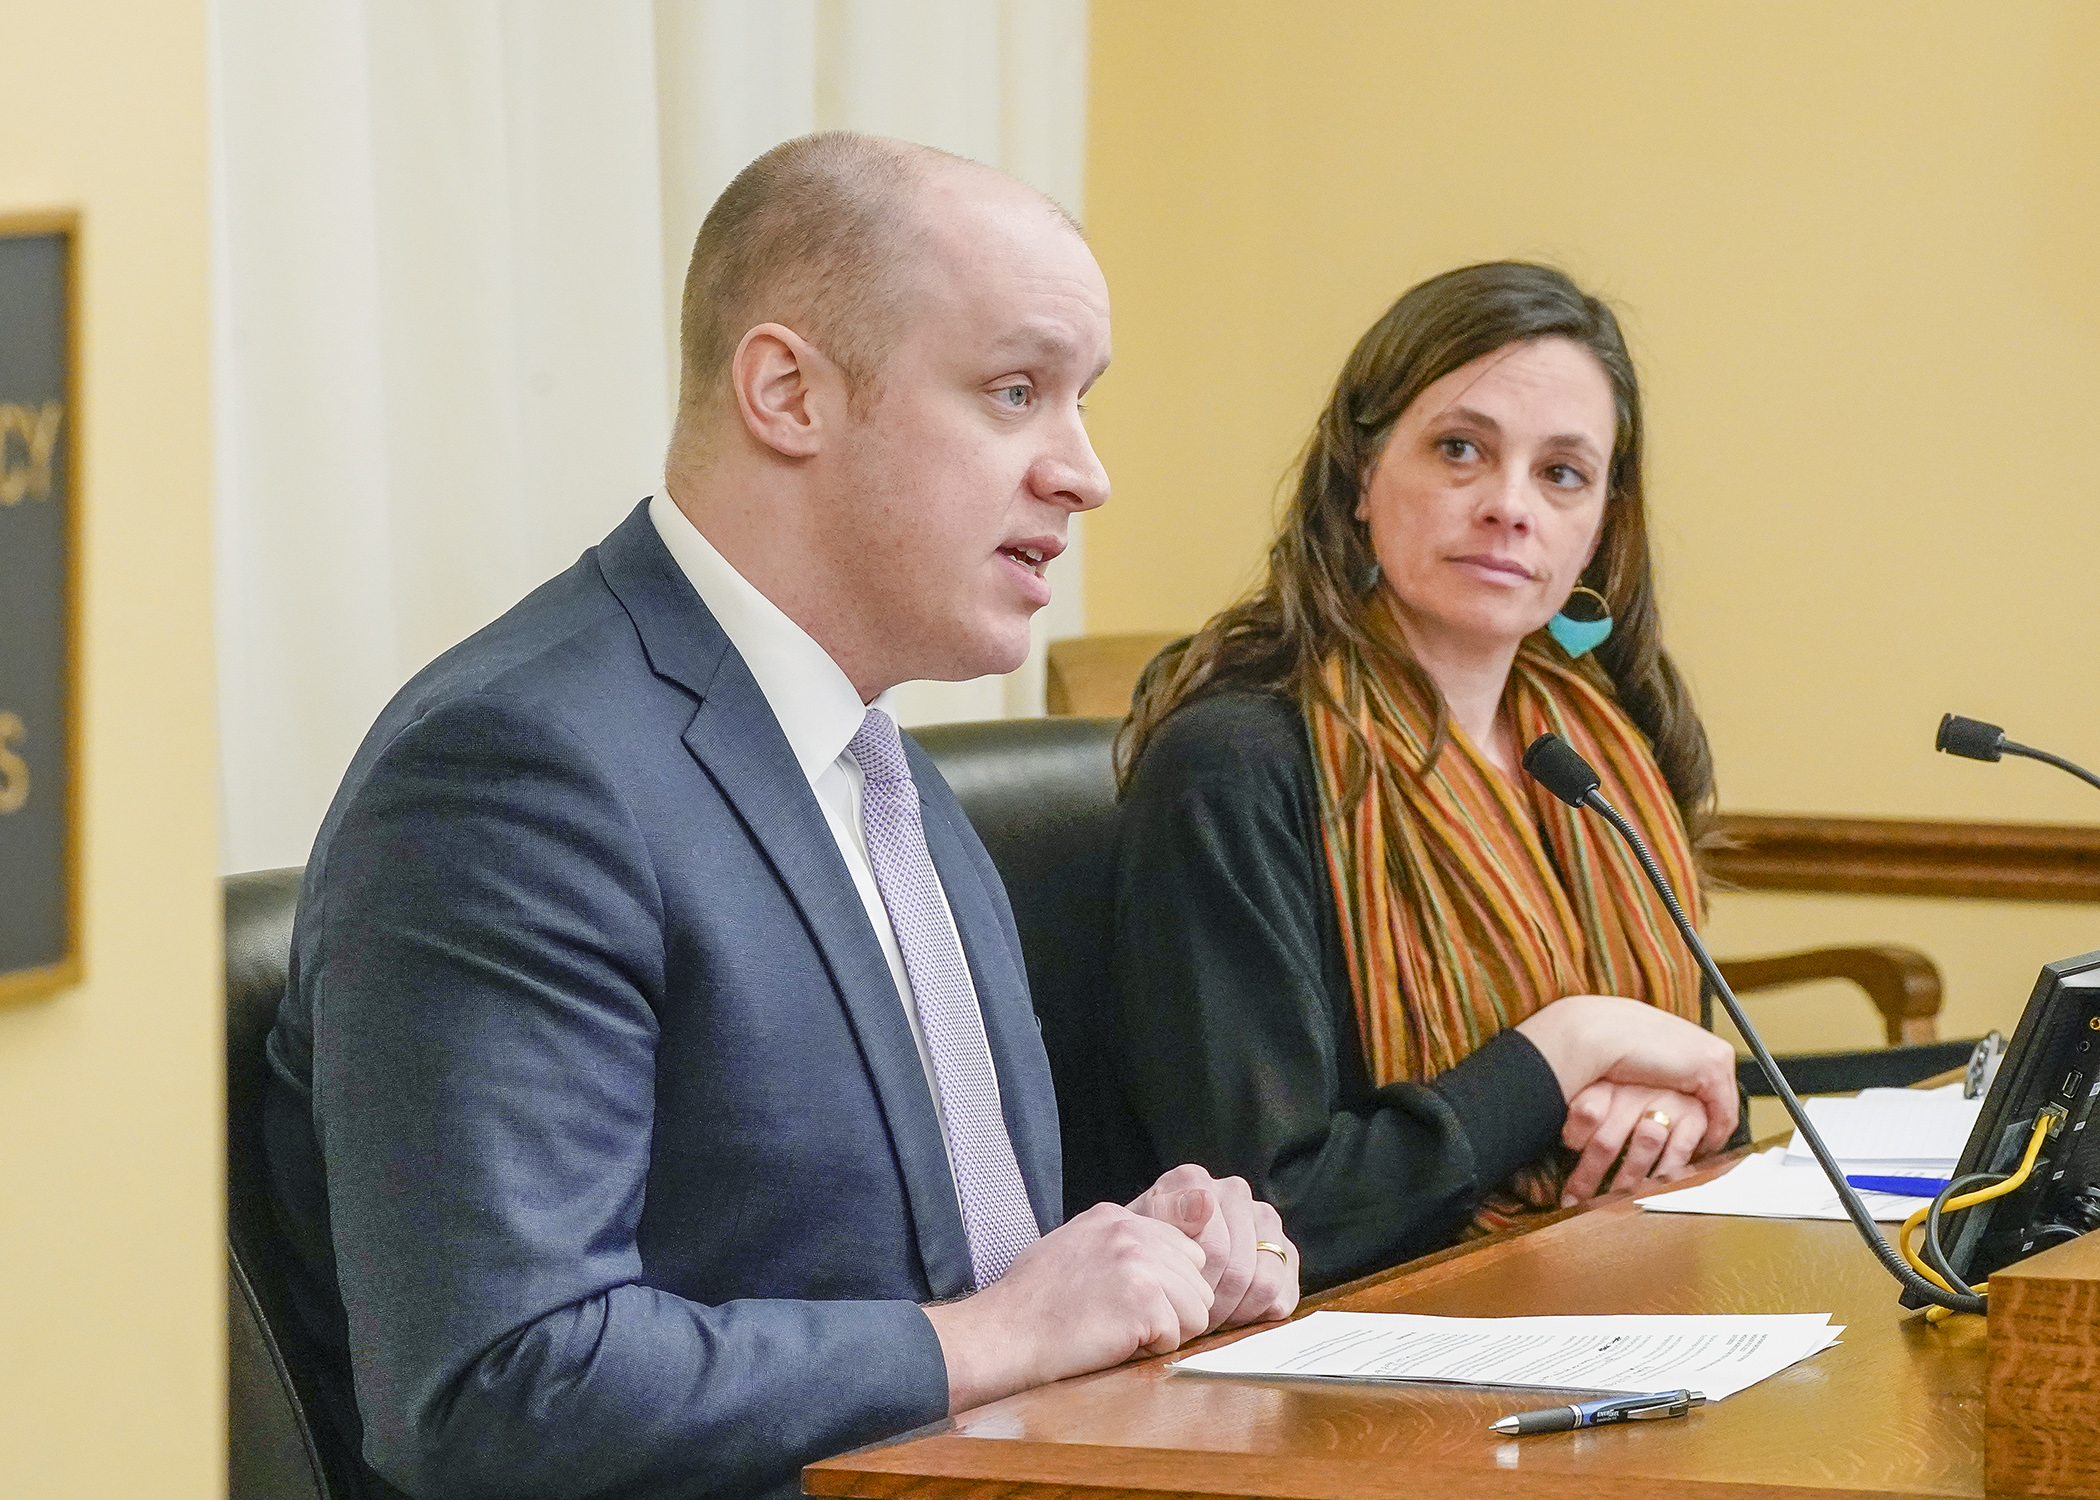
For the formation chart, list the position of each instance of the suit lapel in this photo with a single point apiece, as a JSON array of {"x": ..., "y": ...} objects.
[{"x": 739, "y": 744}]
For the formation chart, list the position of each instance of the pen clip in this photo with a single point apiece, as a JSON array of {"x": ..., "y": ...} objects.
[{"x": 1655, "y": 1404}]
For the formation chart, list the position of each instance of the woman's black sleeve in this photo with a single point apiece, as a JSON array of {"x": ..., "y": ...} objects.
[{"x": 1240, "y": 1045}]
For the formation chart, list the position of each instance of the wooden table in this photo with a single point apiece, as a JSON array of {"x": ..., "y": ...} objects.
[{"x": 1896, "y": 1409}]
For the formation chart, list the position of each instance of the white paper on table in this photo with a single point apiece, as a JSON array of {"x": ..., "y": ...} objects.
[
  {"x": 1893, "y": 1130},
  {"x": 1714, "y": 1355},
  {"x": 1771, "y": 1185}
]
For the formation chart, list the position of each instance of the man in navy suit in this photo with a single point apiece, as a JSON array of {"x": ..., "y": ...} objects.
[{"x": 657, "y": 1103}]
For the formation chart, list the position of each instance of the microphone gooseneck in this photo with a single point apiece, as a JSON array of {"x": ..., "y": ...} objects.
[
  {"x": 1559, "y": 760},
  {"x": 1972, "y": 739}
]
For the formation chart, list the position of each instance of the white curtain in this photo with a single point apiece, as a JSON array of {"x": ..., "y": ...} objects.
[{"x": 450, "y": 238}]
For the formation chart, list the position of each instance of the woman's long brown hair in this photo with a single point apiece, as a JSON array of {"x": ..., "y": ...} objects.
[{"x": 1314, "y": 599}]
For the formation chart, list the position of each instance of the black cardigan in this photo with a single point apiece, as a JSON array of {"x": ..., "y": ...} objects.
[{"x": 1240, "y": 1043}]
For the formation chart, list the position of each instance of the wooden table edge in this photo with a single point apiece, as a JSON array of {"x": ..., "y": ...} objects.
[{"x": 954, "y": 1467}]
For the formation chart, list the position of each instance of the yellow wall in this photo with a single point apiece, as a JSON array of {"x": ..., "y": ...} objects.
[
  {"x": 111, "y": 1258},
  {"x": 1857, "y": 252}
]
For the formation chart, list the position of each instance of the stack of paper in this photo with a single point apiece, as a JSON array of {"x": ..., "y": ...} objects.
[
  {"x": 1893, "y": 1132},
  {"x": 1716, "y": 1356},
  {"x": 1772, "y": 1185},
  {"x": 1878, "y": 1135}
]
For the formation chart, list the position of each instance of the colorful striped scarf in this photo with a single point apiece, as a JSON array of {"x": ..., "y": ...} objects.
[{"x": 1468, "y": 902}]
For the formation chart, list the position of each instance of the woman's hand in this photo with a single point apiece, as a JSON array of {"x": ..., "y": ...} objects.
[
  {"x": 1606, "y": 1118},
  {"x": 1585, "y": 1038}
]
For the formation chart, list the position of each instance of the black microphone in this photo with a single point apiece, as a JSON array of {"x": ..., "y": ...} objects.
[
  {"x": 1562, "y": 771},
  {"x": 1559, "y": 767},
  {"x": 1973, "y": 739}
]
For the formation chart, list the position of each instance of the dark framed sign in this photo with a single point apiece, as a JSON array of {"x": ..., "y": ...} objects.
[{"x": 39, "y": 594}]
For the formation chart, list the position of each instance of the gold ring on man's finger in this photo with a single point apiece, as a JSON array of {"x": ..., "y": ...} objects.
[
  {"x": 1276, "y": 1250},
  {"x": 1658, "y": 1117}
]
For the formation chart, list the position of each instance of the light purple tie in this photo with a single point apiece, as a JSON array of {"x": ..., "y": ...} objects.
[{"x": 995, "y": 1210}]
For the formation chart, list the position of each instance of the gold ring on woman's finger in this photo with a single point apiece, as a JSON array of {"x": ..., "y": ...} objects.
[
  {"x": 1658, "y": 1117},
  {"x": 1276, "y": 1250}
]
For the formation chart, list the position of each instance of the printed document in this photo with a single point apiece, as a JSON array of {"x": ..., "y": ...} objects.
[
  {"x": 1715, "y": 1356},
  {"x": 1919, "y": 1132},
  {"x": 1772, "y": 1185}
]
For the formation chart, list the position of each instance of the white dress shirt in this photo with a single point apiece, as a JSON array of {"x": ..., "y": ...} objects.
[{"x": 819, "y": 711}]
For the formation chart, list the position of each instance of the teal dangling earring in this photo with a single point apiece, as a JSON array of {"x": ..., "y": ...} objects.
[{"x": 1581, "y": 637}]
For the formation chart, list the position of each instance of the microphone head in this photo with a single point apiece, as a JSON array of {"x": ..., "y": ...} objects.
[
  {"x": 1971, "y": 738},
  {"x": 1560, "y": 770}
]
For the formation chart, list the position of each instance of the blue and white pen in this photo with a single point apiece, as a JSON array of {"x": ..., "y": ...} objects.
[{"x": 1600, "y": 1413}]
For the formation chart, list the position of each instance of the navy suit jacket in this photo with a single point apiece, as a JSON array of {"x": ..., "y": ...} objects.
[{"x": 593, "y": 1111}]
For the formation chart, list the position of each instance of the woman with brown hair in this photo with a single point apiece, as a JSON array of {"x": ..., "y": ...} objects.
[{"x": 1363, "y": 960}]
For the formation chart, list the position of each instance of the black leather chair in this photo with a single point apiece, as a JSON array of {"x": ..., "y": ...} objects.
[
  {"x": 1843, "y": 1072},
  {"x": 280, "y": 1445},
  {"x": 1042, "y": 795}
]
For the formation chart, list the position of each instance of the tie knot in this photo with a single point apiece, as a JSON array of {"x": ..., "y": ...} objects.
[{"x": 879, "y": 749}]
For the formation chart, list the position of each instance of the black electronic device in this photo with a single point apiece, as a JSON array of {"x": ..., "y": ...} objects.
[{"x": 2052, "y": 1066}]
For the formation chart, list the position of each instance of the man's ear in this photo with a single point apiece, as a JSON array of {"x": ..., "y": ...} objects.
[{"x": 783, "y": 385}]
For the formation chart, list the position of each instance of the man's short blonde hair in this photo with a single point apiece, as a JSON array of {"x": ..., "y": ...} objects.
[{"x": 817, "y": 235}]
